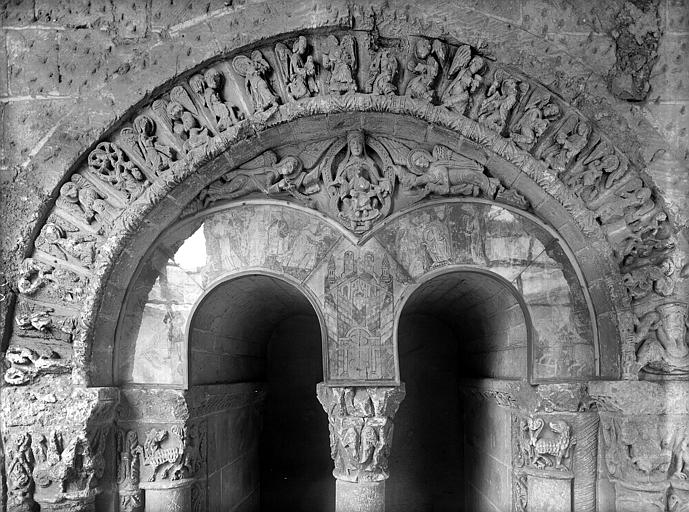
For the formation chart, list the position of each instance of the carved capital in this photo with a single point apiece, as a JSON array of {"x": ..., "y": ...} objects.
[{"x": 361, "y": 428}]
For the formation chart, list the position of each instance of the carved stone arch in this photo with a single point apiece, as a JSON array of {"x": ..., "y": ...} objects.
[
  {"x": 447, "y": 224},
  {"x": 489, "y": 275},
  {"x": 128, "y": 188}
]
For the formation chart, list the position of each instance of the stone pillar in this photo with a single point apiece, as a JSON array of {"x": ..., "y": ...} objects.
[
  {"x": 361, "y": 428},
  {"x": 161, "y": 451},
  {"x": 168, "y": 495}
]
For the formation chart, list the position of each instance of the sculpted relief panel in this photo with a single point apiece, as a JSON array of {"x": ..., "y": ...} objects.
[{"x": 362, "y": 178}]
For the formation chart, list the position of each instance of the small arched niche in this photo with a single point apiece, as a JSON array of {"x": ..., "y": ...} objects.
[
  {"x": 461, "y": 324},
  {"x": 262, "y": 328}
]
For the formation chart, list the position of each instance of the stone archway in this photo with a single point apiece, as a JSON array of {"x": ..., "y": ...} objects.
[{"x": 269, "y": 121}]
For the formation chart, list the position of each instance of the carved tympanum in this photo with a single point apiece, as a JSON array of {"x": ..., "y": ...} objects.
[{"x": 359, "y": 181}]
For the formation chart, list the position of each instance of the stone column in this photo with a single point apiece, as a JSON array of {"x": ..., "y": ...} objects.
[
  {"x": 361, "y": 428},
  {"x": 161, "y": 451}
]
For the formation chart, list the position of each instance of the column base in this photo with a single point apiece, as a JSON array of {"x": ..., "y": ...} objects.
[
  {"x": 357, "y": 497},
  {"x": 167, "y": 495}
]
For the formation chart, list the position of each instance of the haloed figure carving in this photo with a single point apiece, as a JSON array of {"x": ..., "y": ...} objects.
[{"x": 361, "y": 188}]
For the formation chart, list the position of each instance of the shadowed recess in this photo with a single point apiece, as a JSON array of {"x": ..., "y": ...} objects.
[
  {"x": 260, "y": 328},
  {"x": 454, "y": 326}
]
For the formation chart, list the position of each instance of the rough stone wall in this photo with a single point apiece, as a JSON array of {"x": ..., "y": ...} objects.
[{"x": 70, "y": 69}]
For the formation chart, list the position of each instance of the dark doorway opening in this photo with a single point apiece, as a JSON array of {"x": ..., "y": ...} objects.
[
  {"x": 449, "y": 455},
  {"x": 259, "y": 328}
]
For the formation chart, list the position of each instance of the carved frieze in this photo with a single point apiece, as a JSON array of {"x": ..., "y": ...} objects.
[
  {"x": 361, "y": 429},
  {"x": 309, "y": 74}
]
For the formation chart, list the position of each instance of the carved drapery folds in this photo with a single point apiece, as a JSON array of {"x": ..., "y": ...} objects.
[
  {"x": 361, "y": 428},
  {"x": 312, "y": 74}
]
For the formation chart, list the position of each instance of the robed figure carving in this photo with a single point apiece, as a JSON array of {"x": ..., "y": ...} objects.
[{"x": 360, "y": 193}]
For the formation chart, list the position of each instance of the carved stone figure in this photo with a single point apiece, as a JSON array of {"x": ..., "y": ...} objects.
[
  {"x": 425, "y": 67},
  {"x": 54, "y": 240},
  {"x": 360, "y": 189},
  {"x": 171, "y": 461},
  {"x": 20, "y": 484},
  {"x": 109, "y": 164},
  {"x": 82, "y": 200},
  {"x": 254, "y": 71},
  {"x": 341, "y": 60},
  {"x": 157, "y": 156},
  {"x": 567, "y": 143},
  {"x": 466, "y": 71},
  {"x": 211, "y": 87},
  {"x": 545, "y": 451},
  {"x": 128, "y": 472},
  {"x": 500, "y": 100},
  {"x": 445, "y": 173},
  {"x": 300, "y": 74},
  {"x": 272, "y": 177},
  {"x": 539, "y": 113},
  {"x": 382, "y": 73},
  {"x": 360, "y": 422},
  {"x": 667, "y": 353},
  {"x": 682, "y": 460},
  {"x": 185, "y": 124}
]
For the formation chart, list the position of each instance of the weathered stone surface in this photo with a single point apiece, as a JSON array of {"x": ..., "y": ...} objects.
[{"x": 69, "y": 70}]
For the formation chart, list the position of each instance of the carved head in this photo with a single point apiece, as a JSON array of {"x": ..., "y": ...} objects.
[
  {"x": 476, "y": 64},
  {"x": 188, "y": 120},
  {"x": 423, "y": 48},
  {"x": 551, "y": 110},
  {"x": 70, "y": 192},
  {"x": 197, "y": 84},
  {"x": 420, "y": 159},
  {"x": 289, "y": 165},
  {"x": 213, "y": 78},
  {"x": 299, "y": 45},
  {"x": 144, "y": 125},
  {"x": 175, "y": 110},
  {"x": 355, "y": 140}
]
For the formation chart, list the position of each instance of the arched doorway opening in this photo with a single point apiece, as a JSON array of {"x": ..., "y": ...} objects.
[
  {"x": 260, "y": 328},
  {"x": 462, "y": 324}
]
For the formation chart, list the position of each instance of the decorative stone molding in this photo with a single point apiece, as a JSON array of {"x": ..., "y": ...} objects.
[
  {"x": 449, "y": 85},
  {"x": 360, "y": 422},
  {"x": 541, "y": 398}
]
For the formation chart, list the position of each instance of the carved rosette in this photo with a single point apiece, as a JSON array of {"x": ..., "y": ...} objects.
[{"x": 361, "y": 428}]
